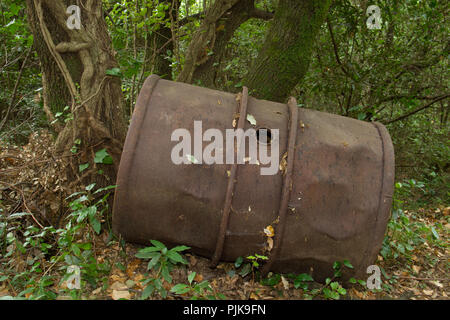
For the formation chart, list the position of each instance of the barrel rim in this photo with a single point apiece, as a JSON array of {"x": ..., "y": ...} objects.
[
  {"x": 129, "y": 148},
  {"x": 385, "y": 197}
]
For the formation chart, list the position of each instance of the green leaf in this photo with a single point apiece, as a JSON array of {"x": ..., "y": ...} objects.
[
  {"x": 83, "y": 167},
  {"x": 336, "y": 265},
  {"x": 191, "y": 277},
  {"x": 166, "y": 275},
  {"x": 105, "y": 189},
  {"x": 154, "y": 261},
  {"x": 180, "y": 288},
  {"x": 334, "y": 285},
  {"x": 146, "y": 255},
  {"x": 238, "y": 262},
  {"x": 348, "y": 264},
  {"x": 148, "y": 291},
  {"x": 342, "y": 291},
  {"x": 246, "y": 269},
  {"x": 304, "y": 277},
  {"x": 90, "y": 187},
  {"x": 180, "y": 248},
  {"x": 435, "y": 234},
  {"x": 158, "y": 244},
  {"x": 114, "y": 72},
  {"x": 96, "y": 225},
  {"x": 175, "y": 257},
  {"x": 102, "y": 156}
]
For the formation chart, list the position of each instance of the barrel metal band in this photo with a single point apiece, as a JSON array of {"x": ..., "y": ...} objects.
[
  {"x": 287, "y": 186},
  {"x": 231, "y": 183}
]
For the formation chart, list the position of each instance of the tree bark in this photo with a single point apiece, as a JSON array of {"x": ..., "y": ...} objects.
[
  {"x": 161, "y": 41},
  {"x": 74, "y": 65},
  {"x": 203, "y": 40},
  {"x": 285, "y": 57},
  {"x": 242, "y": 11}
]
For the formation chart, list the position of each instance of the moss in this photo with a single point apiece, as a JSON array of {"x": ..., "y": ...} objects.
[{"x": 285, "y": 57}]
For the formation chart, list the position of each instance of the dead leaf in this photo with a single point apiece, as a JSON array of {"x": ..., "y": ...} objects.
[
  {"x": 97, "y": 291},
  {"x": 192, "y": 261},
  {"x": 132, "y": 267},
  {"x": 283, "y": 163},
  {"x": 285, "y": 283},
  {"x": 121, "y": 294},
  {"x": 446, "y": 211},
  {"x": 254, "y": 296},
  {"x": 437, "y": 284},
  {"x": 251, "y": 119},
  {"x": 269, "y": 244},
  {"x": 428, "y": 292},
  {"x": 416, "y": 268},
  {"x": 269, "y": 231},
  {"x": 198, "y": 278},
  {"x": 118, "y": 286}
]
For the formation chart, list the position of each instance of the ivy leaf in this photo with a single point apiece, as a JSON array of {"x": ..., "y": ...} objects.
[
  {"x": 102, "y": 156},
  {"x": 348, "y": 264},
  {"x": 238, "y": 262},
  {"x": 83, "y": 167},
  {"x": 114, "y": 72}
]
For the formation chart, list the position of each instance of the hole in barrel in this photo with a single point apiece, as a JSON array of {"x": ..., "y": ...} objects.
[{"x": 264, "y": 135}]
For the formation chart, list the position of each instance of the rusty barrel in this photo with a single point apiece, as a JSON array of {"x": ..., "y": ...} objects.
[{"x": 333, "y": 205}]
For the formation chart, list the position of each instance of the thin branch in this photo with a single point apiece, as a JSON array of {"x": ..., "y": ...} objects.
[
  {"x": 261, "y": 14},
  {"x": 419, "y": 109},
  {"x": 16, "y": 86}
]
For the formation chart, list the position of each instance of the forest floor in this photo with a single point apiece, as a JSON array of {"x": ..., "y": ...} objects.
[{"x": 29, "y": 183}]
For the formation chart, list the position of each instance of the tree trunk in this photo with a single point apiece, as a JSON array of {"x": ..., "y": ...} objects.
[
  {"x": 285, "y": 57},
  {"x": 242, "y": 11},
  {"x": 74, "y": 64},
  {"x": 161, "y": 42},
  {"x": 203, "y": 40}
]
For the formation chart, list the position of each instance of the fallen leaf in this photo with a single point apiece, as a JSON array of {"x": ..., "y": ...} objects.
[
  {"x": 285, "y": 283},
  {"x": 437, "y": 284},
  {"x": 251, "y": 119},
  {"x": 192, "y": 261},
  {"x": 428, "y": 292},
  {"x": 192, "y": 159},
  {"x": 198, "y": 278},
  {"x": 118, "y": 286},
  {"x": 416, "y": 268},
  {"x": 269, "y": 244},
  {"x": 121, "y": 294},
  {"x": 254, "y": 296},
  {"x": 97, "y": 291},
  {"x": 132, "y": 267},
  {"x": 269, "y": 231}
]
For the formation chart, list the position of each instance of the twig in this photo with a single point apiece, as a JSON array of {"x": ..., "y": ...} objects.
[
  {"x": 418, "y": 109},
  {"x": 25, "y": 204}
]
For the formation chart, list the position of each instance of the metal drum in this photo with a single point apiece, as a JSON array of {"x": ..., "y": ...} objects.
[{"x": 329, "y": 200}]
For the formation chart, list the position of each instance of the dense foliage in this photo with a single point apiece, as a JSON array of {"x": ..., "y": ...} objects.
[{"x": 397, "y": 75}]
